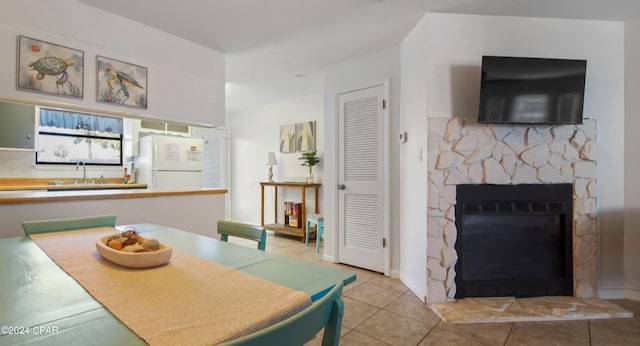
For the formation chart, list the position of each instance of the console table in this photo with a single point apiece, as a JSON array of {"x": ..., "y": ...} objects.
[{"x": 281, "y": 227}]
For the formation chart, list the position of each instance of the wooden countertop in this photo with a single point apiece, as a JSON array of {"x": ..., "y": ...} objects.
[
  {"x": 16, "y": 184},
  {"x": 40, "y": 196},
  {"x": 50, "y": 187},
  {"x": 42, "y": 190}
]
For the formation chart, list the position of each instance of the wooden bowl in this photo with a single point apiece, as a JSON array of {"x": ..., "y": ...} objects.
[{"x": 133, "y": 259}]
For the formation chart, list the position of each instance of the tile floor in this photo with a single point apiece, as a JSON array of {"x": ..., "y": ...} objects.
[{"x": 381, "y": 311}]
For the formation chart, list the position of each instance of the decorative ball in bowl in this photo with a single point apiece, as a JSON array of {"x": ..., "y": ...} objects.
[{"x": 139, "y": 253}]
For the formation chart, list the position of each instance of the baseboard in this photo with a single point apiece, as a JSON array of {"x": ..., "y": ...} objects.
[
  {"x": 329, "y": 258},
  {"x": 413, "y": 288},
  {"x": 611, "y": 292},
  {"x": 632, "y": 293},
  {"x": 395, "y": 274}
]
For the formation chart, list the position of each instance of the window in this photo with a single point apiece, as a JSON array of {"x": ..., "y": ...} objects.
[
  {"x": 165, "y": 127},
  {"x": 70, "y": 137}
]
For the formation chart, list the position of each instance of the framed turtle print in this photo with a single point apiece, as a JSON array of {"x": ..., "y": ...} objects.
[
  {"x": 121, "y": 83},
  {"x": 49, "y": 68}
]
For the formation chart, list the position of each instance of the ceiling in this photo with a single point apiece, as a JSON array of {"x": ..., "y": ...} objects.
[{"x": 276, "y": 49}]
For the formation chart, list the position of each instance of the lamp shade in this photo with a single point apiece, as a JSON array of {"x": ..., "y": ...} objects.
[{"x": 271, "y": 159}]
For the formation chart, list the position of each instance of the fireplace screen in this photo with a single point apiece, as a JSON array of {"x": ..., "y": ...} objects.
[{"x": 514, "y": 240}]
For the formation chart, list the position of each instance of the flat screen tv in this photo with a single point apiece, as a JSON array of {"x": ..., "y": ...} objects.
[{"x": 531, "y": 90}]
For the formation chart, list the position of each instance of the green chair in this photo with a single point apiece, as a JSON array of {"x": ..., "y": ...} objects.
[
  {"x": 243, "y": 230},
  {"x": 54, "y": 225},
  {"x": 318, "y": 220},
  {"x": 325, "y": 313}
]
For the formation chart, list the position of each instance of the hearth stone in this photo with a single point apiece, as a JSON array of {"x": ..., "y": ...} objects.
[{"x": 509, "y": 309}]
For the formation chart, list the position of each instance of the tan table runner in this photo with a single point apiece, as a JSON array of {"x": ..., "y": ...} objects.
[{"x": 190, "y": 301}]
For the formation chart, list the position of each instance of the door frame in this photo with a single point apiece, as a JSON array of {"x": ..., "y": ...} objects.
[{"x": 387, "y": 179}]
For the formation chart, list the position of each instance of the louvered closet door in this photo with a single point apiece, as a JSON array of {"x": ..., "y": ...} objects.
[
  {"x": 361, "y": 175},
  {"x": 215, "y": 156},
  {"x": 215, "y": 161}
]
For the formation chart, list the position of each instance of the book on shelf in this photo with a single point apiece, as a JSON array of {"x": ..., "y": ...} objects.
[{"x": 293, "y": 214}]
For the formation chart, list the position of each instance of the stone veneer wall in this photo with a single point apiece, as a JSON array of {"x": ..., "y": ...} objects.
[{"x": 461, "y": 151}]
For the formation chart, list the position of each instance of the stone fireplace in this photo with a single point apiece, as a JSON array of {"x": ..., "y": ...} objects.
[{"x": 461, "y": 152}]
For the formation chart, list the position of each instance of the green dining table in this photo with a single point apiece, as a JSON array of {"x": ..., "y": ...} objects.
[{"x": 40, "y": 304}]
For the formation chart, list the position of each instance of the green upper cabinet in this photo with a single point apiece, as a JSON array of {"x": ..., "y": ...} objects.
[{"x": 17, "y": 126}]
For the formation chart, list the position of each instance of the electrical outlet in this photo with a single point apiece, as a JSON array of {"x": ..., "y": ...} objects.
[{"x": 13, "y": 171}]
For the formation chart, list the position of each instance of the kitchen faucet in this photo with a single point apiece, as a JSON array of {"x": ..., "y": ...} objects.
[{"x": 84, "y": 171}]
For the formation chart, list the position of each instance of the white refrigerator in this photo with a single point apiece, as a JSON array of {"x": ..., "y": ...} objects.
[{"x": 167, "y": 162}]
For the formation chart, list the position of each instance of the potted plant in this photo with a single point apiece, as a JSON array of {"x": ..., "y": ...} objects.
[{"x": 310, "y": 159}]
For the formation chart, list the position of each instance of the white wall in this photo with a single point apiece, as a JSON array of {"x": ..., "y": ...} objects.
[
  {"x": 631, "y": 162},
  {"x": 413, "y": 174},
  {"x": 197, "y": 213},
  {"x": 185, "y": 80},
  {"x": 452, "y": 47},
  {"x": 255, "y": 132},
  {"x": 185, "y": 83},
  {"x": 366, "y": 70}
]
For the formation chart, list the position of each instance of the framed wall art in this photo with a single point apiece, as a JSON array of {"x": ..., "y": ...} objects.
[
  {"x": 49, "y": 68},
  {"x": 306, "y": 136},
  {"x": 121, "y": 83},
  {"x": 288, "y": 138}
]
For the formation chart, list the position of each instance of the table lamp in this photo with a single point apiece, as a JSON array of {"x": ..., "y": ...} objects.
[{"x": 271, "y": 161}]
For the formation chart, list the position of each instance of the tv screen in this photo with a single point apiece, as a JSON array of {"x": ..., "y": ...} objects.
[{"x": 531, "y": 90}]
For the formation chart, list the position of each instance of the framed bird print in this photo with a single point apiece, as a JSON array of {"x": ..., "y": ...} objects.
[
  {"x": 49, "y": 68},
  {"x": 121, "y": 83}
]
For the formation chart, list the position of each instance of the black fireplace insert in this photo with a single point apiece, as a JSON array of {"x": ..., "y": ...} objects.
[{"x": 514, "y": 240}]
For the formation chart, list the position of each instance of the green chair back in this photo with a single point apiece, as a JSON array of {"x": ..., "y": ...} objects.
[
  {"x": 44, "y": 226},
  {"x": 325, "y": 313},
  {"x": 243, "y": 230}
]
